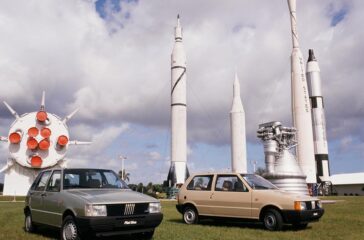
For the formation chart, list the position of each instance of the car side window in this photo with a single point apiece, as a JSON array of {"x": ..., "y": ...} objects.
[
  {"x": 200, "y": 183},
  {"x": 43, "y": 181},
  {"x": 230, "y": 184},
  {"x": 54, "y": 184},
  {"x": 35, "y": 183}
]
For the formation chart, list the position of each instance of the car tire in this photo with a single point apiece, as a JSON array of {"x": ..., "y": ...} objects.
[
  {"x": 299, "y": 226},
  {"x": 28, "y": 223},
  {"x": 190, "y": 215},
  {"x": 69, "y": 229},
  {"x": 272, "y": 220}
]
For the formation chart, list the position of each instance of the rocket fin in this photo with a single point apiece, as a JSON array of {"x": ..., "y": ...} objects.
[
  {"x": 172, "y": 178},
  {"x": 42, "y": 104},
  {"x": 3, "y": 139},
  {"x": 67, "y": 118},
  {"x": 11, "y": 110},
  {"x": 75, "y": 142}
]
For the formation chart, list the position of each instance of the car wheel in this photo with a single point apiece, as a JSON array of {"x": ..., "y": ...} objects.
[
  {"x": 190, "y": 215},
  {"x": 28, "y": 222},
  {"x": 69, "y": 229},
  {"x": 299, "y": 226},
  {"x": 273, "y": 220}
]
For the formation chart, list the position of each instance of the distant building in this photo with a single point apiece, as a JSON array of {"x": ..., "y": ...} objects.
[{"x": 348, "y": 184}]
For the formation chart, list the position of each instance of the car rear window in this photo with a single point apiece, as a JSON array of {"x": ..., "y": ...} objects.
[{"x": 200, "y": 183}]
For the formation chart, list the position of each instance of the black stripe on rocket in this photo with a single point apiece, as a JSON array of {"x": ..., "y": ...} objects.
[
  {"x": 319, "y": 165},
  {"x": 315, "y": 102},
  {"x": 179, "y": 78}
]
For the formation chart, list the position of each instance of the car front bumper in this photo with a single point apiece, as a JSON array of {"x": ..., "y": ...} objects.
[
  {"x": 108, "y": 226},
  {"x": 305, "y": 216}
]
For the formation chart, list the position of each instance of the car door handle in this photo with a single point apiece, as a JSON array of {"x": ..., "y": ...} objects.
[{"x": 44, "y": 194}]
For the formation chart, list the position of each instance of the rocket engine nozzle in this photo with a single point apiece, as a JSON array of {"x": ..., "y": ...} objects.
[
  {"x": 62, "y": 140},
  {"x": 45, "y": 132},
  {"x": 36, "y": 161},
  {"x": 44, "y": 144},
  {"x": 42, "y": 116},
  {"x": 33, "y": 132},
  {"x": 32, "y": 143},
  {"x": 15, "y": 137}
]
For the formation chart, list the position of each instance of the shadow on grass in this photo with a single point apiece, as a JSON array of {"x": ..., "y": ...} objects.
[
  {"x": 51, "y": 233},
  {"x": 54, "y": 233},
  {"x": 240, "y": 223}
]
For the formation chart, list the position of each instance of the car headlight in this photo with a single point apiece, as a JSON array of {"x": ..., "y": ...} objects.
[
  {"x": 299, "y": 206},
  {"x": 95, "y": 210},
  {"x": 154, "y": 207},
  {"x": 319, "y": 204}
]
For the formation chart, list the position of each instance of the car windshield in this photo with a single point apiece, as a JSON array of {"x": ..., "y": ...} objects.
[
  {"x": 92, "y": 178},
  {"x": 257, "y": 182}
]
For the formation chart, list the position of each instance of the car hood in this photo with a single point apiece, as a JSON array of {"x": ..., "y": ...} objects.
[
  {"x": 291, "y": 195},
  {"x": 109, "y": 196}
]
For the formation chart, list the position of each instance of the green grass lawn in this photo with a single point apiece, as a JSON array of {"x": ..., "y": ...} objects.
[{"x": 342, "y": 220}]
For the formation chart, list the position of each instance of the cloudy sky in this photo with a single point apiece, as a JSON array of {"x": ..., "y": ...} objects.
[{"x": 111, "y": 59}]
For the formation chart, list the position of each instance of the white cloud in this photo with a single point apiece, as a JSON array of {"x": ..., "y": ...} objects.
[
  {"x": 155, "y": 155},
  {"x": 117, "y": 74}
]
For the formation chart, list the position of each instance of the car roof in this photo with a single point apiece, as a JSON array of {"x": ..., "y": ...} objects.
[
  {"x": 60, "y": 169},
  {"x": 221, "y": 173}
]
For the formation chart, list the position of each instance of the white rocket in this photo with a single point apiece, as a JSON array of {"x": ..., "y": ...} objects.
[
  {"x": 178, "y": 171},
  {"x": 318, "y": 118},
  {"x": 301, "y": 110},
  {"x": 238, "y": 138}
]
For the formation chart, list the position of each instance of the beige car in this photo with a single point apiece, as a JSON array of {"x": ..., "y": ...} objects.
[{"x": 245, "y": 196}]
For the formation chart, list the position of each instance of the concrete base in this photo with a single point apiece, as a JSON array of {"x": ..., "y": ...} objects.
[{"x": 18, "y": 179}]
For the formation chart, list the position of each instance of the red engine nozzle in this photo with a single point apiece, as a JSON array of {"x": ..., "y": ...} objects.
[
  {"x": 62, "y": 140},
  {"x": 36, "y": 161},
  {"x": 45, "y": 132},
  {"x": 42, "y": 116},
  {"x": 15, "y": 137},
  {"x": 33, "y": 132},
  {"x": 32, "y": 143},
  {"x": 44, "y": 144}
]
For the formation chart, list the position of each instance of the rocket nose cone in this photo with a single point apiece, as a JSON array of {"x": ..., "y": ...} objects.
[{"x": 311, "y": 55}]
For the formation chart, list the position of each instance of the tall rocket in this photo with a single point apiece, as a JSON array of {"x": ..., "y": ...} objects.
[
  {"x": 178, "y": 171},
  {"x": 318, "y": 118},
  {"x": 237, "y": 125},
  {"x": 301, "y": 110}
]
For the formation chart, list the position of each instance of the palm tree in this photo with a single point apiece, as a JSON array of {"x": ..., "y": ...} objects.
[
  {"x": 260, "y": 171},
  {"x": 123, "y": 175}
]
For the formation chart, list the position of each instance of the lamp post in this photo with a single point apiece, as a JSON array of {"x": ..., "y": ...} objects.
[
  {"x": 254, "y": 165},
  {"x": 122, "y": 166}
]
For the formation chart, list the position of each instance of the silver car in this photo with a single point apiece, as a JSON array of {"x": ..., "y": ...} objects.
[{"x": 84, "y": 202}]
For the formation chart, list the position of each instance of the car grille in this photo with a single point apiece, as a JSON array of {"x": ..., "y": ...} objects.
[
  {"x": 128, "y": 209},
  {"x": 310, "y": 205}
]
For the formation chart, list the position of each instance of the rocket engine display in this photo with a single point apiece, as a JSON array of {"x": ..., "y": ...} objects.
[
  {"x": 36, "y": 141},
  {"x": 282, "y": 168},
  {"x": 238, "y": 136},
  {"x": 301, "y": 110},
  {"x": 178, "y": 171},
  {"x": 318, "y": 119}
]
